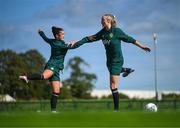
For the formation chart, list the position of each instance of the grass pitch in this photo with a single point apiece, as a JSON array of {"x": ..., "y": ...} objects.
[{"x": 90, "y": 119}]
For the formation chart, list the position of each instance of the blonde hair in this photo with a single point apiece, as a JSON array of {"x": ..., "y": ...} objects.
[{"x": 112, "y": 18}]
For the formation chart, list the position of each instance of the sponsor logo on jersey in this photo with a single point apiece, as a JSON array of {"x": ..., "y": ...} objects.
[
  {"x": 106, "y": 42},
  {"x": 107, "y": 39}
]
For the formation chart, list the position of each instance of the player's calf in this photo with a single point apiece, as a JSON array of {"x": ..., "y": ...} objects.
[{"x": 31, "y": 77}]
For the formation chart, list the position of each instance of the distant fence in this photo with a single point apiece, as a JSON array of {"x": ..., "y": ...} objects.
[{"x": 44, "y": 105}]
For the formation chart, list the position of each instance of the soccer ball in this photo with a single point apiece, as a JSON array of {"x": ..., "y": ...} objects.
[{"x": 151, "y": 107}]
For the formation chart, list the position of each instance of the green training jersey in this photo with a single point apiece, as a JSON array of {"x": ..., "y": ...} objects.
[
  {"x": 58, "y": 51},
  {"x": 112, "y": 42}
]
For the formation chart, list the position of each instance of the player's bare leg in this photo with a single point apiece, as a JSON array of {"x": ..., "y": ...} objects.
[{"x": 44, "y": 76}]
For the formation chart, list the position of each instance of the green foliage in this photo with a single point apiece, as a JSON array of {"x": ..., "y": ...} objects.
[
  {"x": 80, "y": 82},
  {"x": 12, "y": 65},
  {"x": 121, "y": 96},
  {"x": 65, "y": 92},
  {"x": 171, "y": 96}
]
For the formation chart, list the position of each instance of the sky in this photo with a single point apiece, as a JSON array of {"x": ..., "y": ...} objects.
[{"x": 21, "y": 19}]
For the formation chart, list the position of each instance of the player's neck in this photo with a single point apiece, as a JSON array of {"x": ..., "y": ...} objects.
[{"x": 108, "y": 27}]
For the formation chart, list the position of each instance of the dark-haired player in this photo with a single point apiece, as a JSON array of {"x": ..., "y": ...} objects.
[{"x": 54, "y": 64}]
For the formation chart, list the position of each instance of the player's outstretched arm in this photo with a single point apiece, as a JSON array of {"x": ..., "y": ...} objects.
[
  {"x": 74, "y": 44},
  {"x": 88, "y": 39},
  {"x": 41, "y": 33},
  {"x": 145, "y": 48}
]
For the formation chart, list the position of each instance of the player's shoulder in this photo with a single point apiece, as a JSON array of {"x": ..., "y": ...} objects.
[
  {"x": 51, "y": 40},
  {"x": 60, "y": 43},
  {"x": 118, "y": 30},
  {"x": 102, "y": 30}
]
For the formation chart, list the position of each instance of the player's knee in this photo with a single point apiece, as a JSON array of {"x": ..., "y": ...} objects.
[
  {"x": 113, "y": 86},
  {"x": 47, "y": 74},
  {"x": 113, "y": 83},
  {"x": 56, "y": 89}
]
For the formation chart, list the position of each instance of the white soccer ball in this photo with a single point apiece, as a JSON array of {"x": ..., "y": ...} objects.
[{"x": 151, "y": 107}]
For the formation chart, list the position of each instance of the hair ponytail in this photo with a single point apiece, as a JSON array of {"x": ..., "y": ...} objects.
[
  {"x": 56, "y": 30},
  {"x": 114, "y": 21}
]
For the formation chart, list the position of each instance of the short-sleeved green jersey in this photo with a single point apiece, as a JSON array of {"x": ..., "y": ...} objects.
[{"x": 112, "y": 42}]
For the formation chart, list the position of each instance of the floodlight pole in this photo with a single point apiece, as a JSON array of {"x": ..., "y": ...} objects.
[{"x": 155, "y": 66}]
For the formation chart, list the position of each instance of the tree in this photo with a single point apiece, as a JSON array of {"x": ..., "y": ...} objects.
[
  {"x": 12, "y": 65},
  {"x": 121, "y": 96},
  {"x": 35, "y": 63},
  {"x": 80, "y": 82},
  {"x": 172, "y": 96}
]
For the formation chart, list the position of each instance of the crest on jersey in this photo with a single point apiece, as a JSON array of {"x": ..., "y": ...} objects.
[{"x": 111, "y": 35}]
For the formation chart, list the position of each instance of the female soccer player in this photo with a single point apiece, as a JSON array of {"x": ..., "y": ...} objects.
[
  {"x": 111, "y": 37},
  {"x": 54, "y": 64}
]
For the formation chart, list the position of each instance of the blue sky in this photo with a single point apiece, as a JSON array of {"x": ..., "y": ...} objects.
[{"x": 20, "y": 20}]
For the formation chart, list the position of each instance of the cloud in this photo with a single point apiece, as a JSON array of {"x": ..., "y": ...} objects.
[
  {"x": 16, "y": 37},
  {"x": 147, "y": 17},
  {"x": 77, "y": 13},
  {"x": 154, "y": 16},
  {"x": 8, "y": 33}
]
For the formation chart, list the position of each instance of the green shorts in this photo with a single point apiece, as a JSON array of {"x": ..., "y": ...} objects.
[
  {"x": 55, "y": 76},
  {"x": 115, "y": 68}
]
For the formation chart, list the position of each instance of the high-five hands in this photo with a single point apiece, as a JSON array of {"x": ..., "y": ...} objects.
[{"x": 72, "y": 43}]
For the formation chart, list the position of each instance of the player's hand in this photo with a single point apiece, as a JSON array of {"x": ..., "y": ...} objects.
[
  {"x": 72, "y": 43},
  {"x": 147, "y": 49},
  {"x": 39, "y": 30}
]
